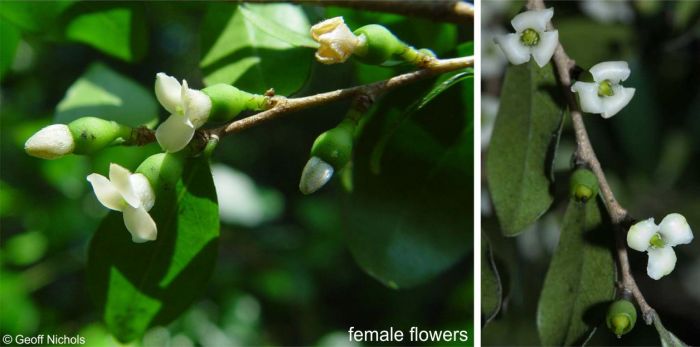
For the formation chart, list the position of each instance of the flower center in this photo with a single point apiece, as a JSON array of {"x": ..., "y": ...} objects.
[
  {"x": 530, "y": 37},
  {"x": 605, "y": 88},
  {"x": 656, "y": 241}
]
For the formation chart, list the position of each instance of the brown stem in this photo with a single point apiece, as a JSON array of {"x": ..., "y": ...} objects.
[
  {"x": 453, "y": 11},
  {"x": 586, "y": 155}
]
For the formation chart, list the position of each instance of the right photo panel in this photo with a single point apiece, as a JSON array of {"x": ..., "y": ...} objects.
[{"x": 590, "y": 147}]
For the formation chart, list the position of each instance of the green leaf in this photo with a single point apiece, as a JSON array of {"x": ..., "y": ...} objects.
[
  {"x": 580, "y": 282},
  {"x": 26, "y": 15},
  {"x": 668, "y": 339},
  {"x": 413, "y": 220},
  {"x": 117, "y": 29},
  {"x": 239, "y": 52},
  {"x": 443, "y": 83},
  {"x": 104, "y": 93},
  {"x": 525, "y": 137},
  {"x": 25, "y": 248},
  {"x": 273, "y": 28},
  {"x": 491, "y": 288},
  {"x": 141, "y": 285},
  {"x": 9, "y": 40},
  {"x": 19, "y": 313}
]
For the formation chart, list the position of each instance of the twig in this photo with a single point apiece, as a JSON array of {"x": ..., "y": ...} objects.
[
  {"x": 585, "y": 154},
  {"x": 284, "y": 105},
  {"x": 454, "y": 11}
]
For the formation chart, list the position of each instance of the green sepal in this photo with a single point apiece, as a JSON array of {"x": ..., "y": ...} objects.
[
  {"x": 622, "y": 315},
  {"x": 227, "y": 101},
  {"x": 92, "y": 134},
  {"x": 379, "y": 44},
  {"x": 162, "y": 170},
  {"x": 335, "y": 146},
  {"x": 583, "y": 185}
]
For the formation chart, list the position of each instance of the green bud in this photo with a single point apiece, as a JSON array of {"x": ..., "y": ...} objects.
[
  {"x": 379, "y": 44},
  {"x": 335, "y": 146},
  {"x": 228, "y": 101},
  {"x": 621, "y": 317},
  {"x": 162, "y": 170},
  {"x": 92, "y": 134},
  {"x": 583, "y": 185}
]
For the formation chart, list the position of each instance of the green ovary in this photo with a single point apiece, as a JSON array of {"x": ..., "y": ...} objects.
[
  {"x": 530, "y": 37},
  {"x": 605, "y": 88}
]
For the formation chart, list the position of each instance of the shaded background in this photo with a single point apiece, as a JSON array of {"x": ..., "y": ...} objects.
[
  {"x": 649, "y": 152},
  {"x": 285, "y": 275}
]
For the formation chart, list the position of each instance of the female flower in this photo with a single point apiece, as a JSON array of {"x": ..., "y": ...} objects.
[
  {"x": 658, "y": 241},
  {"x": 605, "y": 95},
  {"x": 337, "y": 42},
  {"x": 189, "y": 109},
  {"x": 130, "y": 194},
  {"x": 531, "y": 38}
]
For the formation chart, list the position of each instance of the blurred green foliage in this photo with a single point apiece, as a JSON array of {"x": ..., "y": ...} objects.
[{"x": 284, "y": 274}]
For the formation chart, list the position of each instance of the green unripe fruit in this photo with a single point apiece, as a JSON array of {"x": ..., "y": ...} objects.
[
  {"x": 162, "y": 170},
  {"x": 228, "y": 101},
  {"x": 379, "y": 44},
  {"x": 621, "y": 317},
  {"x": 583, "y": 185},
  {"x": 335, "y": 145},
  {"x": 92, "y": 134}
]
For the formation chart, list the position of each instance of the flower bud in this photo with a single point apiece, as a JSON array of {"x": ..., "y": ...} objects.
[
  {"x": 92, "y": 134},
  {"x": 377, "y": 44},
  {"x": 228, "y": 101},
  {"x": 336, "y": 41},
  {"x": 621, "y": 317},
  {"x": 583, "y": 185},
  {"x": 335, "y": 146},
  {"x": 51, "y": 142},
  {"x": 162, "y": 170},
  {"x": 315, "y": 175}
]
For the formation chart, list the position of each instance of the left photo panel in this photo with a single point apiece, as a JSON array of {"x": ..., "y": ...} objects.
[{"x": 237, "y": 173}]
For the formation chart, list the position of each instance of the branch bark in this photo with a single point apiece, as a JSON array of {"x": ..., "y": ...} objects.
[
  {"x": 454, "y": 11},
  {"x": 586, "y": 154}
]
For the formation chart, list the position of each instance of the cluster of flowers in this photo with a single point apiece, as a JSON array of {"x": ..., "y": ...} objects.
[
  {"x": 134, "y": 194},
  {"x": 605, "y": 96}
]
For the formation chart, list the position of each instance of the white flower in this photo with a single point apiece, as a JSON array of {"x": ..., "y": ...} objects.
[
  {"x": 51, "y": 142},
  {"x": 315, "y": 175},
  {"x": 130, "y": 194},
  {"x": 189, "y": 109},
  {"x": 658, "y": 241},
  {"x": 337, "y": 41},
  {"x": 605, "y": 95},
  {"x": 530, "y": 38}
]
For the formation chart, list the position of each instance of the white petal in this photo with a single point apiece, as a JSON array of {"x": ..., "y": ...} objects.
[
  {"x": 661, "y": 262},
  {"x": 175, "y": 133},
  {"x": 197, "y": 107},
  {"x": 544, "y": 50},
  {"x": 336, "y": 45},
  {"x": 588, "y": 97},
  {"x": 535, "y": 19},
  {"x": 326, "y": 26},
  {"x": 106, "y": 192},
  {"x": 315, "y": 175},
  {"x": 675, "y": 230},
  {"x": 140, "y": 225},
  {"x": 640, "y": 234},
  {"x": 119, "y": 177},
  {"x": 168, "y": 93},
  {"x": 142, "y": 188},
  {"x": 515, "y": 51},
  {"x": 51, "y": 142},
  {"x": 614, "y": 71},
  {"x": 615, "y": 103}
]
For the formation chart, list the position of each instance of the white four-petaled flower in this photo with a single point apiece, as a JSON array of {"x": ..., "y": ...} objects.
[
  {"x": 605, "y": 95},
  {"x": 531, "y": 38},
  {"x": 658, "y": 241},
  {"x": 189, "y": 109},
  {"x": 337, "y": 42},
  {"x": 130, "y": 194}
]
